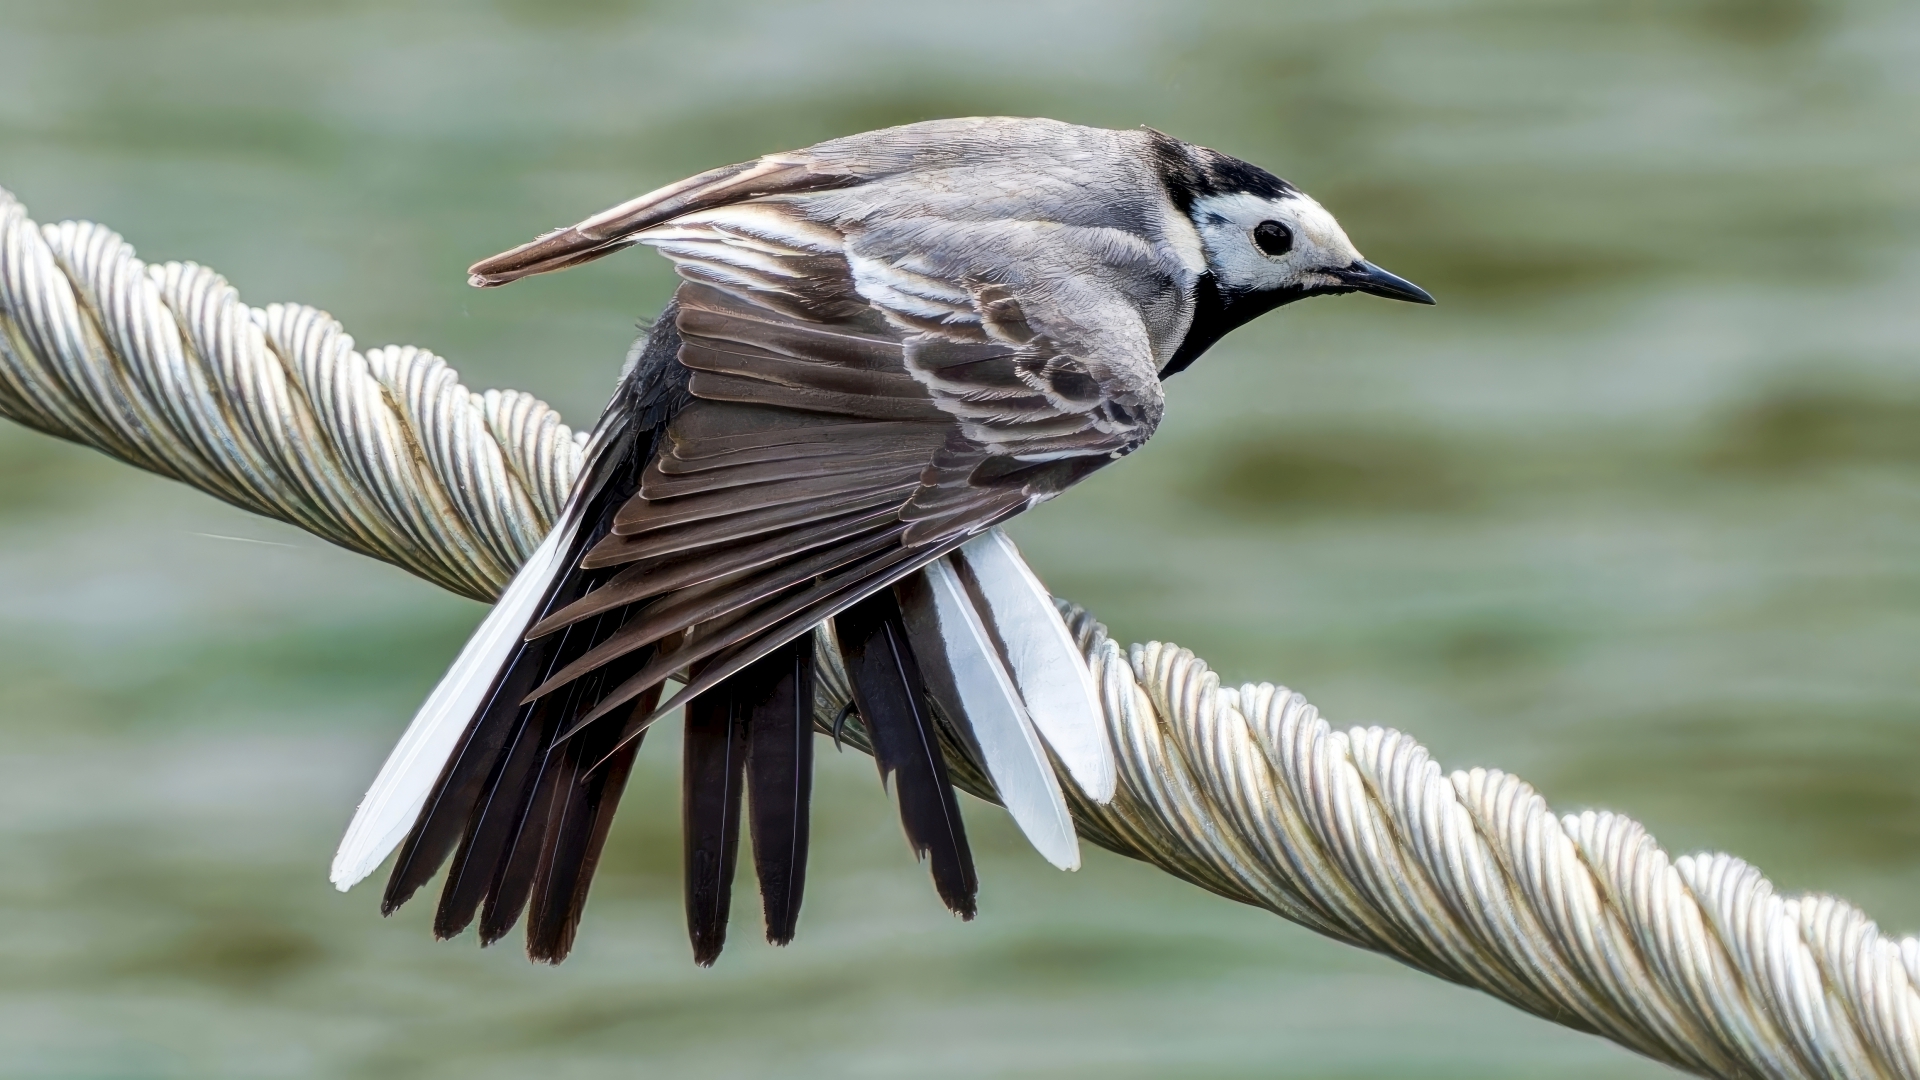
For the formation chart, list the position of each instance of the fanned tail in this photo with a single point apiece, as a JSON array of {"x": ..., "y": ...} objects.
[{"x": 892, "y": 699}]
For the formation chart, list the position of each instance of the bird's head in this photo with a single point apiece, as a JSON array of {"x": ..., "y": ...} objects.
[{"x": 1266, "y": 243}]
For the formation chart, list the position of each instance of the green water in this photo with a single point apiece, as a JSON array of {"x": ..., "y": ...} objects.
[{"x": 1633, "y": 512}]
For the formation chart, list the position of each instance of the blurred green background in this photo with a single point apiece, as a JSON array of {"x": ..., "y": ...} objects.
[{"x": 1633, "y": 512}]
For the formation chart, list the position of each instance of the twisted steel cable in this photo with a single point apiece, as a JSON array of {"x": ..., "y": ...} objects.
[{"x": 1357, "y": 834}]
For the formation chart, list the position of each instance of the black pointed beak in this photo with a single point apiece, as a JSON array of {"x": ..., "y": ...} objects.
[{"x": 1365, "y": 277}]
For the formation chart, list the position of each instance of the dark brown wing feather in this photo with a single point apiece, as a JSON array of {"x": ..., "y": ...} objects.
[
  {"x": 814, "y": 466},
  {"x": 676, "y": 611},
  {"x": 667, "y": 573},
  {"x": 614, "y": 549}
]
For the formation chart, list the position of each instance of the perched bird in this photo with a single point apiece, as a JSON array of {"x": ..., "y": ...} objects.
[{"x": 880, "y": 348}]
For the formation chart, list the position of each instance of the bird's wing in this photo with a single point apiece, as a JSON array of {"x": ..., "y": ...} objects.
[
  {"x": 610, "y": 230},
  {"x": 853, "y": 419}
]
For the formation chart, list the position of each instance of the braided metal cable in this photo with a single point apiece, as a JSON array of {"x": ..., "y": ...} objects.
[
  {"x": 273, "y": 409},
  {"x": 1356, "y": 834}
]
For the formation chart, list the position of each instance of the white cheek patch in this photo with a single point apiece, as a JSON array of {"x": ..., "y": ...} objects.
[
  {"x": 1226, "y": 224},
  {"x": 1235, "y": 261}
]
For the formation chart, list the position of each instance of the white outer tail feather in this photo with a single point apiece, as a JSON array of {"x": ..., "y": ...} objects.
[
  {"x": 1009, "y": 747},
  {"x": 392, "y": 804},
  {"x": 1052, "y": 676}
]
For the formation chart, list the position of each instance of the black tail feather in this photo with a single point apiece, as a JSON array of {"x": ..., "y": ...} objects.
[
  {"x": 560, "y": 903},
  {"x": 543, "y": 826},
  {"x": 888, "y": 690},
  {"x": 513, "y": 876},
  {"x": 493, "y": 816},
  {"x": 585, "y": 799},
  {"x": 531, "y": 819},
  {"x": 714, "y": 767},
  {"x": 491, "y": 824},
  {"x": 779, "y": 689}
]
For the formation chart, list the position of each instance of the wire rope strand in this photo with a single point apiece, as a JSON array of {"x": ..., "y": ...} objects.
[{"x": 1357, "y": 834}]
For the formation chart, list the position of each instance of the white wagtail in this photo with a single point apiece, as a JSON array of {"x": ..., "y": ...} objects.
[{"x": 881, "y": 348}]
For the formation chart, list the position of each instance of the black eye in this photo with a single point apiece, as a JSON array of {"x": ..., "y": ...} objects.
[{"x": 1273, "y": 238}]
